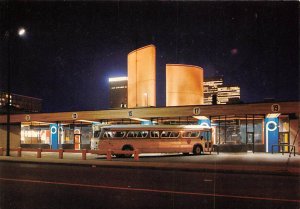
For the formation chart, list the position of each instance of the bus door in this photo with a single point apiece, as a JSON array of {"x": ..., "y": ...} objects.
[{"x": 207, "y": 140}]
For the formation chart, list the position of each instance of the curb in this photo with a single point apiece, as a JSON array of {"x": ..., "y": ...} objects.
[{"x": 190, "y": 167}]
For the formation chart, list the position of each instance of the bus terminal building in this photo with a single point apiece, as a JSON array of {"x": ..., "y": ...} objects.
[{"x": 255, "y": 127}]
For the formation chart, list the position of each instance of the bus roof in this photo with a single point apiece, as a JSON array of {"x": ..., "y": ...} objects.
[{"x": 156, "y": 127}]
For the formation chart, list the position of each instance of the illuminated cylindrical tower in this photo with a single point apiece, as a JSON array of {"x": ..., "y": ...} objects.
[
  {"x": 142, "y": 77},
  {"x": 184, "y": 85}
]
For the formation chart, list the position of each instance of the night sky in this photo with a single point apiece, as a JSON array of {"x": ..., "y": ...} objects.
[{"x": 71, "y": 48}]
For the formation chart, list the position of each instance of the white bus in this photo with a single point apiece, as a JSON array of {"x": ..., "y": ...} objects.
[{"x": 152, "y": 138}]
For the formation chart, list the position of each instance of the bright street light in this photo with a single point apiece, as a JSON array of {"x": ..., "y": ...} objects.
[{"x": 21, "y": 31}]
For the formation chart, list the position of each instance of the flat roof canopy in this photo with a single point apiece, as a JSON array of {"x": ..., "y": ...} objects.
[{"x": 152, "y": 112}]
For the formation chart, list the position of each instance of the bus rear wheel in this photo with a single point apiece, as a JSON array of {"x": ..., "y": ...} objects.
[{"x": 197, "y": 150}]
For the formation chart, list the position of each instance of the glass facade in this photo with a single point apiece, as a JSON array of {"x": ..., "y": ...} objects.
[
  {"x": 35, "y": 135},
  {"x": 245, "y": 131},
  {"x": 69, "y": 136}
]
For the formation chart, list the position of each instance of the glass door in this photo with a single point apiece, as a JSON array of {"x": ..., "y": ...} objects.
[
  {"x": 250, "y": 139},
  {"x": 77, "y": 139},
  {"x": 284, "y": 139}
]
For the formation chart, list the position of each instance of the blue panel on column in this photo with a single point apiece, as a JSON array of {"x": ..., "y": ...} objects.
[
  {"x": 54, "y": 136},
  {"x": 204, "y": 122},
  {"x": 147, "y": 122},
  {"x": 271, "y": 134}
]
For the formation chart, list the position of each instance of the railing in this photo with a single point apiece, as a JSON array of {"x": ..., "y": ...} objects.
[
  {"x": 61, "y": 152},
  {"x": 282, "y": 148},
  {"x": 293, "y": 149}
]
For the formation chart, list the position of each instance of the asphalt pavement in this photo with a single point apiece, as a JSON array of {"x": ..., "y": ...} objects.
[
  {"x": 227, "y": 180},
  {"x": 261, "y": 163},
  {"x": 55, "y": 186}
]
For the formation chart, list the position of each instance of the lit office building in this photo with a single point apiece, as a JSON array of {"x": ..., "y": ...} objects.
[
  {"x": 210, "y": 88},
  {"x": 20, "y": 103},
  {"x": 118, "y": 92},
  {"x": 228, "y": 94}
]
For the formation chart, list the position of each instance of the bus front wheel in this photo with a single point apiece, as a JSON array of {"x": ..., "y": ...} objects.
[{"x": 197, "y": 150}]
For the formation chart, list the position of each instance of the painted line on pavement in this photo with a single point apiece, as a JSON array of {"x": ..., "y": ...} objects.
[{"x": 147, "y": 190}]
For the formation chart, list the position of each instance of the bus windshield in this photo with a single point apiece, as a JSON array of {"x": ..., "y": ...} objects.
[{"x": 97, "y": 134}]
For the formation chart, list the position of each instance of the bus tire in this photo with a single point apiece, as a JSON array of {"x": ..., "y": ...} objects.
[
  {"x": 197, "y": 150},
  {"x": 119, "y": 156},
  {"x": 127, "y": 148}
]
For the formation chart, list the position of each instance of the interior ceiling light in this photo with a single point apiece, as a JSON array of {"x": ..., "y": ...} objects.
[
  {"x": 87, "y": 121},
  {"x": 201, "y": 117},
  {"x": 139, "y": 119},
  {"x": 273, "y": 115}
]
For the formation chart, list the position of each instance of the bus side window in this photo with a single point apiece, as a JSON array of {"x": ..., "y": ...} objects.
[
  {"x": 106, "y": 135},
  {"x": 130, "y": 134},
  {"x": 154, "y": 134},
  {"x": 144, "y": 134},
  {"x": 174, "y": 134},
  {"x": 119, "y": 134},
  {"x": 165, "y": 134},
  {"x": 139, "y": 134},
  {"x": 195, "y": 134}
]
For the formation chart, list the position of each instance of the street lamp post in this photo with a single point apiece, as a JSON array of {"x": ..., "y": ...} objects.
[
  {"x": 9, "y": 33},
  {"x": 8, "y": 96},
  {"x": 146, "y": 98}
]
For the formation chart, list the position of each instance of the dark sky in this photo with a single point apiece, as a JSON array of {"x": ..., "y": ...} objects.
[{"x": 71, "y": 48}]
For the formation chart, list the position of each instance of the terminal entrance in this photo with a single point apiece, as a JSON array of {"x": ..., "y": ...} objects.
[
  {"x": 239, "y": 133},
  {"x": 284, "y": 136},
  {"x": 77, "y": 139},
  {"x": 250, "y": 141},
  {"x": 284, "y": 140}
]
